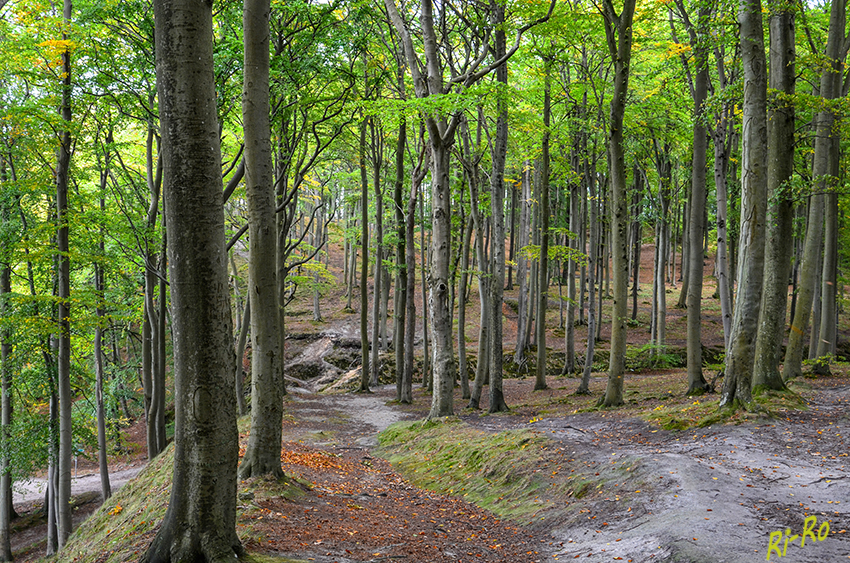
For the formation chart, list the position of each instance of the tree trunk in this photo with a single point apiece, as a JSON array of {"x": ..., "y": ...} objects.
[
  {"x": 592, "y": 259},
  {"x": 780, "y": 219},
  {"x": 106, "y": 490},
  {"x": 618, "y": 29},
  {"x": 63, "y": 323},
  {"x": 721, "y": 159},
  {"x": 497, "y": 212},
  {"x": 461, "y": 311},
  {"x": 442, "y": 403},
  {"x": 378, "y": 278},
  {"x": 523, "y": 297},
  {"x": 364, "y": 267},
  {"x": 242, "y": 409},
  {"x": 740, "y": 355},
  {"x": 696, "y": 225},
  {"x": 400, "y": 293},
  {"x": 200, "y": 524},
  {"x": 543, "y": 283},
  {"x": 262, "y": 455},
  {"x": 825, "y": 140},
  {"x": 570, "y": 329}
]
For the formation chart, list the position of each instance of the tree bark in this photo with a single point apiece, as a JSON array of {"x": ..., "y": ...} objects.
[
  {"x": 740, "y": 355},
  {"x": 826, "y": 135},
  {"x": 364, "y": 266},
  {"x": 618, "y": 30},
  {"x": 63, "y": 262},
  {"x": 200, "y": 524},
  {"x": 401, "y": 293},
  {"x": 262, "y": 455},
  {"x": 592, "y": 259},
  {"x": 696, "y": 224},
  {"x": 780, "y": 219},
  {"x": 543, "y": 283}
]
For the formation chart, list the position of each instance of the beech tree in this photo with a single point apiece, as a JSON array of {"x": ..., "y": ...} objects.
[
  {"x": 200, "y": 523},
  {"x": 618, "y": 31},
  {"x": 741, "y": 352},
  {"x": 262, "y": 455}
]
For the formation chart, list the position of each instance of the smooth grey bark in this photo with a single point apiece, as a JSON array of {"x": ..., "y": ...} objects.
[
  {"x": 826, "y": 135},
  {"x": 618, "y": 31},
  {"x": 262, "y": 455},
  {"x": 364, "y": 266},
  {"x": 740, "y": 355},
  {"x": 200, "y": 524},
  {"x": 63, "y": 274},
  {"x": 780, "y": 217},
  {"x": 543, "y": 282}
]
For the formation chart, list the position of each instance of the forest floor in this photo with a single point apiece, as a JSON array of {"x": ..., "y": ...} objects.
[{"x": 695, "y": 494}]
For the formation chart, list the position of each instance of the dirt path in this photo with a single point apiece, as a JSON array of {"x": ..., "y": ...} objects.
[
  {"x": 714, "y": 495},
  {"x": 33, "y": 488},
  {"x": 359, "y": 508}
]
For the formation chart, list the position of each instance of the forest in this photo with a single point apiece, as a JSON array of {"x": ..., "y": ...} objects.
[{"x": 467, "y": 194}]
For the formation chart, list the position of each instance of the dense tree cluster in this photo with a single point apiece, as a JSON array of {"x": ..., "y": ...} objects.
[{"x": 451, "y": 147}]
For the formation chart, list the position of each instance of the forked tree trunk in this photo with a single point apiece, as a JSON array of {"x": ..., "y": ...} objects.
[
  {"x": 200, "y": 524},
  {"x": 780, "y": 219},
  {"x": 740, "y": 354}
]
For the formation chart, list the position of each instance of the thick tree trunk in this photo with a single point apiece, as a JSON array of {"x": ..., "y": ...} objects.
[
  {"x": 442, "y": 403},
  {"x": 740, "y": 355},
  {"x": 825, "y": 140},
  {"x": 200, "y": 524},
  {"x": 780, "y": 219},
  {"x": 262, "y": 455},
  {"x": 618, "y": 29},
  {"x": 829, "y": 277}
]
